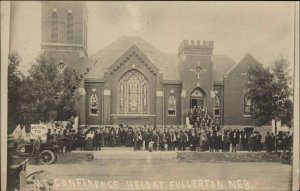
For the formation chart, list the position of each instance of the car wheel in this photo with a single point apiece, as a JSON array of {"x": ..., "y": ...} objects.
[
  {"x": 47, "y": 157},
  {"x": 285, "y": 158}
]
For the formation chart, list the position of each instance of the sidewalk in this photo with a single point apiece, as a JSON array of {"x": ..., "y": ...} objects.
[{"x": 127, "y": 153}]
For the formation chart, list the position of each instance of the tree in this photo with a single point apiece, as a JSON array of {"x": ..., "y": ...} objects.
[
  {"x": 268, "y": 88},
  {"x": 54, "y": 94},
  {"x": 45, "y": 95},
  {"x": 15, "y": 80}
]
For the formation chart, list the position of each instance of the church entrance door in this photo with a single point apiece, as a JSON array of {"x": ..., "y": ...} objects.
[
  {"x": 197, "y": 98},
  {"x": 197, "y": 102}
]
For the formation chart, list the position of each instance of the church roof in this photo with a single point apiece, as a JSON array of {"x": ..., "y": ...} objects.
[
  {"x": 248, "y": 59},
  {"x": 222, "y": 64},
  {"x": 166, "y": 62}
]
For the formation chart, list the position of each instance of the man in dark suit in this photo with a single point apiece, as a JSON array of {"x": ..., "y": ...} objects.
[
  {"x": 290, "y": 141},
  {"x": 234, "y": 140},
  {"x": 178, "y": 139},
  {"x": 123, "y": 135},
  {"x": 135, "y": 139},
  {"x": 194, "y": 140},
  {"x": 259, "y": 145},
  {"x": 80, "y": 139},
  {"x": 224, "y": 141},
  {"x": 168, "y": 138},
  {"x": 36, "y": 150},
  {"x": 146, "y": 138},
  {"x": 69, "y": 125},
  {"x": 172, "y": 140},
  {"x": 244, "y": 140},
  {"x": 140, "y": 139},
  {"x": 211, "y": 141},
  {"x": 268, "y": 142},
  {"x": 185, "y": 139},
  {"x": 155, "y": 140},
  {"x": 49, "y": 136},
  {"x": 161, "y": 140}
]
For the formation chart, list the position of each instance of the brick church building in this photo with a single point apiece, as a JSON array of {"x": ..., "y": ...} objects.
[{"x": 132, "y": 82}]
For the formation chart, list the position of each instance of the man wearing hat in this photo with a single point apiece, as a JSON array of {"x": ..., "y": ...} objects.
[{"x": 36, "y": 150}]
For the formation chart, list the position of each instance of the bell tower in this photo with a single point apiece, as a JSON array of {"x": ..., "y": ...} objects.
[
  {"x": 195, "y": 62},
  {"x": 64, "y": 30}
]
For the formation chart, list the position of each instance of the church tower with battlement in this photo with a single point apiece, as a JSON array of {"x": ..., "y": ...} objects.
[{"x": 196, "y": 69}]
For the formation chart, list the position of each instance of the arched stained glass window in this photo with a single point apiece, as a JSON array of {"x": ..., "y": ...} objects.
[
  {"x": 70, "y": 30},
  {"x": 217, "y": 105},
  {"x": 94, "y": 104},
  {"x": 248, "y": 107},
  {"x": 54, "y": 27},
  {"x": 172, "y": 105},
  {"x": 133, "y": 93}
]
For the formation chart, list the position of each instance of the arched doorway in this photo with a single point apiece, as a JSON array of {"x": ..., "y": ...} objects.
[{"x": 198, "y": 98}]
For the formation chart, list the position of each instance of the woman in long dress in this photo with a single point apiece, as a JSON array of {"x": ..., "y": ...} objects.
[{"x": 89, "y": 141}]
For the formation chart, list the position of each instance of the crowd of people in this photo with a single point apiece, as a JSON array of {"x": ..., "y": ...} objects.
[{"x": 204, "y": 135}]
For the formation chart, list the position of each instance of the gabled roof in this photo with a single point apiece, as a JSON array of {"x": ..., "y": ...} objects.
[
  {"x": 222, "y": 64},
  {"x": 133, "y": 51},
  {"x": 166, "y": 62},
  {"x": 248, "y": 59}
]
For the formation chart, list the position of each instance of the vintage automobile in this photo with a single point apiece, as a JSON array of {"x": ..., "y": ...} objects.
[
  {"x": 48, "y": 151},
  {"x": 17, "y": 177}
]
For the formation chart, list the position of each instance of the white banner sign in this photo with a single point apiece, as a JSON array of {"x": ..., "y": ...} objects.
[{"x": 39, "y": 130}]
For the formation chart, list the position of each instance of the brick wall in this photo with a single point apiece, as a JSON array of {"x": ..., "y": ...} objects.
[
  {"x": 191, "y": 55},
  {"x": 219, "y": 91},
  {"x": 79, "y": 13},
  {"x": 234, "y": 93},
  {"x": 134, "y": 61}
]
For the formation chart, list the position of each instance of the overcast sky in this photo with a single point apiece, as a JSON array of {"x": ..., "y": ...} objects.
[{"x": 264, "y": 29}]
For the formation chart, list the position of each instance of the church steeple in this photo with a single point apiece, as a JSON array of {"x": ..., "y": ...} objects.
[{"x": 64, "y": 27}]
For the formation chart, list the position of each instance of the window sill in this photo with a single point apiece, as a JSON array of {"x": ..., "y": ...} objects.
[{"x": 247, "y": 116}]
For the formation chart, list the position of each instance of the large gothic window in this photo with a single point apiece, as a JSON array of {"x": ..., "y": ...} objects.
[
  {"x": 133, "y": 93},
  {"x": 54, "y": 27},
  {"x": 248, "y": 107},
  {"x": 217, "y": 105},
  {"x": 70, "y": 30},
  {"x": 172, "y": 105},
  {"x": 94, "y": 104}
]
